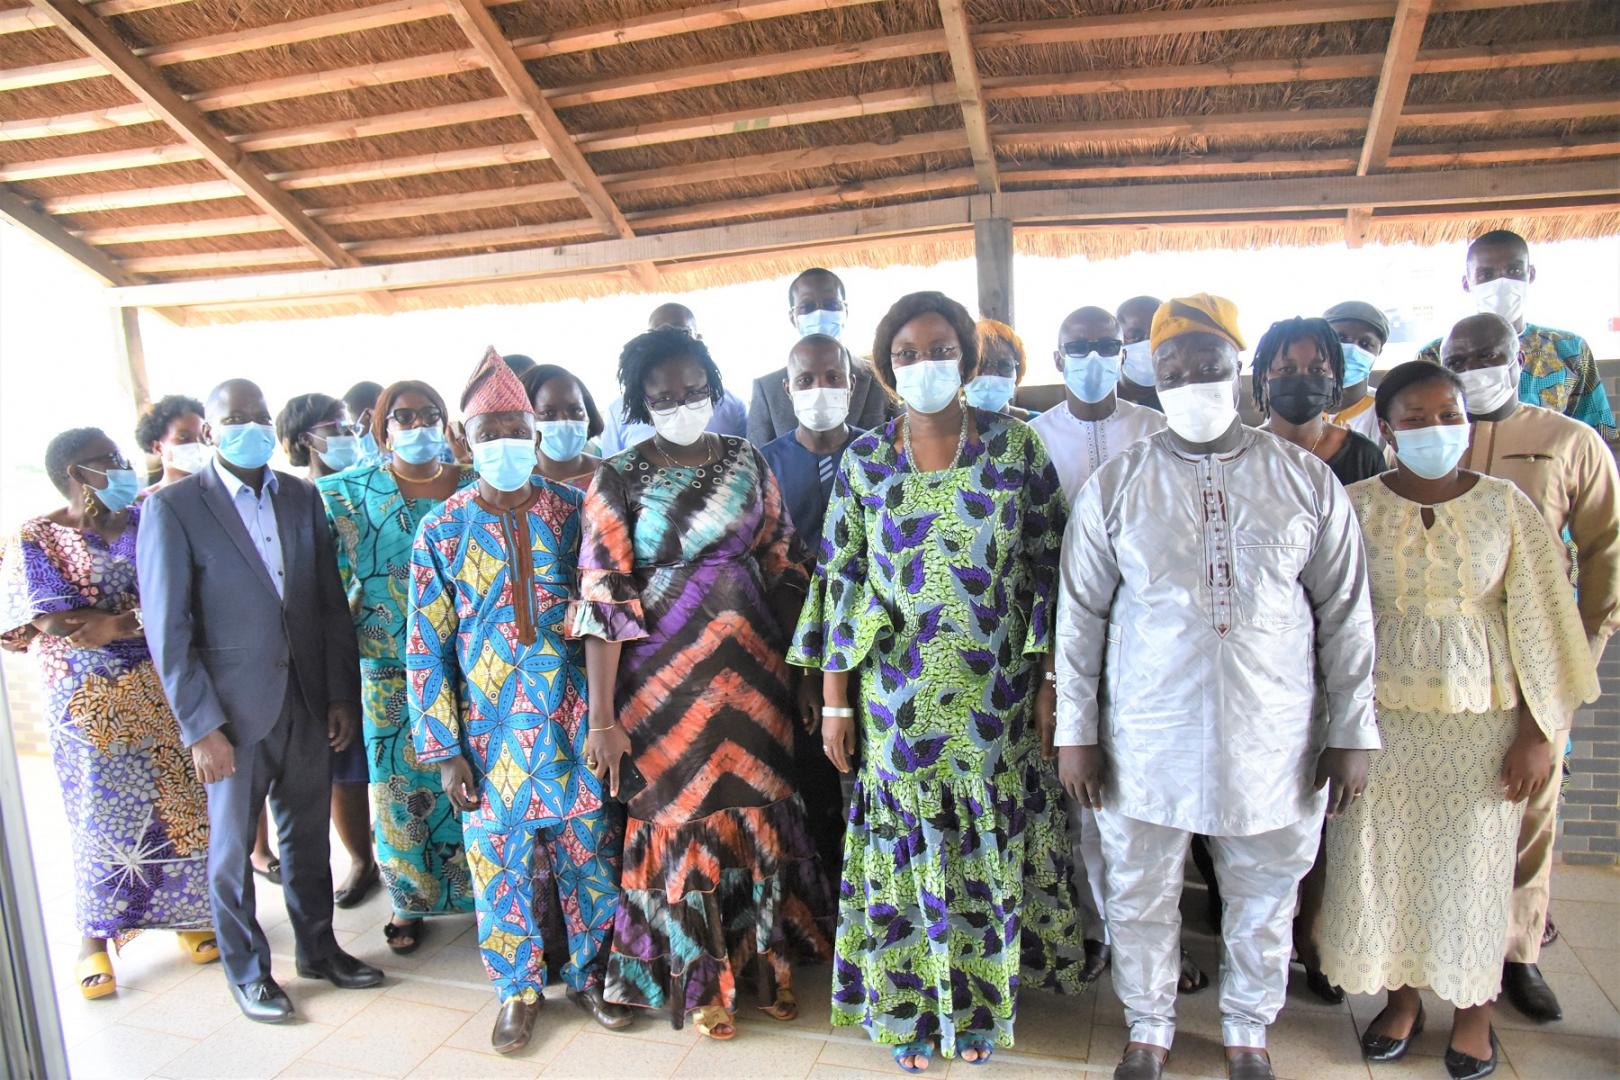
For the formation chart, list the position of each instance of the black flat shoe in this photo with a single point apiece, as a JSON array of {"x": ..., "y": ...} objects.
[
  {"x": 598, "y": 1008},
  {"x": 1320, "y": 985},
  {"x": 356, "y": 894},
  {"x": 1463, "y": 1067},
  {"x": 1192, "y": 978},
  {"x": 1249, "y": 1065},
  {"x": 342, "y": 971},
  {"x": 1097, "y": 955},
  {"x": 270, "y": 873},
  {"x": 1140, "y": 1064},
  {"x": 1529, "y": 992},
  {"x": 262, "y": 1001},
  {"x": 1383, "y": 1049}
]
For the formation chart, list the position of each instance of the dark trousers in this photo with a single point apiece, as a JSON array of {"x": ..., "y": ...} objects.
[{"x": 292, "y": 766}]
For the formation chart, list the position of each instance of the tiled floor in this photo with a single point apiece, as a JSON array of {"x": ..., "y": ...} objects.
[{"x": 432, "y": 1016}]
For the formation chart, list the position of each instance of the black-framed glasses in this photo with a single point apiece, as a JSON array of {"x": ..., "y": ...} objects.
[
  {"x": 1108, "y": 346},
  {"x": 114, "y": 460},
  {"x": 938, "y": 352},
  {"x": 426, "y": 416},
  {"x": 663, "y": 406}
]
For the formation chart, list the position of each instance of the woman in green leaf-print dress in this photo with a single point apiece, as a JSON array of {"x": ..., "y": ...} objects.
[{"x": 937, "y": 588}]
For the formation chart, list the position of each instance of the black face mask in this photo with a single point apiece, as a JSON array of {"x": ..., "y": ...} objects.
[{"x": 1297, "y": 398}]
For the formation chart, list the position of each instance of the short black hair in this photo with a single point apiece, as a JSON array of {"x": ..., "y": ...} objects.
[
  {"x": 518, "y": 363},
  {"x": 646, "y": 351},
  {"x": 1500, "y": 238},
  {"x": 361, "y": 396},
  {"x": 816, "y": 272},
  {"x": 298, "y": 416},
  {"x": 60, "y": 452},
  {"x": 910, "y": 306},
  {"x": 154, "y": 422},
  {"x": 540, "y": 374},
  {"x": 1284, "y": 333},
  {"x": 1405, "y": 376}
]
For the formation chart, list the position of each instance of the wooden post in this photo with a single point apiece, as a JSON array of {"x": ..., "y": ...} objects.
[
  {"x": 993, "y": 251},
  {"x": 134, "y": 373}
]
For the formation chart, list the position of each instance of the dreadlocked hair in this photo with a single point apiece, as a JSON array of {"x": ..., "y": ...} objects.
[{"x": 1283, "y": 334}]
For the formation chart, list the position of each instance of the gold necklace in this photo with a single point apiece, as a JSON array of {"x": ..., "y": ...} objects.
[{"x": 409, "y": 480}]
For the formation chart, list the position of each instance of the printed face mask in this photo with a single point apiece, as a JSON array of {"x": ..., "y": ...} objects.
[
  {"x": 505, "y": 464},
  {"x": 686, "y": 424},
  {"x": 1093, "y": 376},
  {"x": 1432, "y": 452},
  {"x": 1199, "y": 412},
  {"x": 821, "y": 408},
  {"x": 247, "y": 446},
  {"x": 928, "y": 385}
]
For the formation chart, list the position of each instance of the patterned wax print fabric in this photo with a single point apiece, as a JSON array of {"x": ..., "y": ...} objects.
[
  {"x": 678, "y": 565},
  {"x": 416, "y": 831},
  {"x": 492, "y": 678},
  {"x": 136, "y": 813},
  {"x": 1473, "y": 617},
  {"x": 938, "y": 589},
  {"x": 1560, "y": 373}
]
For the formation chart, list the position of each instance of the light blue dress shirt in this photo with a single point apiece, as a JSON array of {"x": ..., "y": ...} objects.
[
  {"x": 258, "y": 514},
  {"x": 730, "y": 418}
]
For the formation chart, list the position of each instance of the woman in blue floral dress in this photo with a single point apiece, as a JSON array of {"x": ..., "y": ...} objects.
[{"x": 935, "y": 585}]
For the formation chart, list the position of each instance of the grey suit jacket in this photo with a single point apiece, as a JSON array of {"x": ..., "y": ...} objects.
[
  {"x": 222, "y": 640},
  {"x": 771, "y": 413}
]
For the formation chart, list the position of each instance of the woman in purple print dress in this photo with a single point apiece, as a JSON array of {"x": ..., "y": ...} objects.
[{"x": 138, "y": 816}]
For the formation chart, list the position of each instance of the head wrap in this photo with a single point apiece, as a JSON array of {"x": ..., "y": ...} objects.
[
  {"x": 493, "y": 388},
  {"x": 1361, "y": 312},
  {"x": 1200, "y": 313}
]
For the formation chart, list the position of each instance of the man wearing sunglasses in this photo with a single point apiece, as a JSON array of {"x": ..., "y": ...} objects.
[{"x": 730, "y": 414}]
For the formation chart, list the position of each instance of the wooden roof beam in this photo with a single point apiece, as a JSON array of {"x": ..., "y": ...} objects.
[
  {"x": 22, "y": 213},
  {"x": 969, "y": 92},
  {"x": 1400, "y": 53},
  {"x": 98, "y": 41},
  {"x": 666, "y": 23}
]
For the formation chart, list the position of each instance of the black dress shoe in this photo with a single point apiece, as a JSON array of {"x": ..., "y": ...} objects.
[
  {"x": 1463, "y": 1067},
  {"x": 1530, "y": 993},
  {"x": 514, "y": 1024},
  {"x": 262, "y": 1001},
  {"x": 342, "y": 971},
  {"x": 1097, "y": 956},
  {"x": 598, "y": 1008},
  {"x": 1249, "y": 1065},
  {"x": 1139, "y": 1063},
  {"x": 1382, "y": 1049},
  {"x": 1322, "y": 986}
]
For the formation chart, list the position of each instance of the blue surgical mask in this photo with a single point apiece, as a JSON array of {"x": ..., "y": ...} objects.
[
  {"x": 505, "y": 464},
  {"x": 562, "y": 440},
  {"x": 1091, "y": 377},
  {"x": 247, "y": 446},
  {"x": 369, "y": 450},
  {"x": 122, "y": 487},
  {"x": 1137, "y": 363},
  {"x": 417, "y": 445},
  {"x": 820, "y": 321},
  {"x": 991, "y": 392},
  {"x": 1358, "y": 364},
  {"x": 341, "y": 452},
  {"x": 1432, "y": 452},
  {"x": 928, "y": 385}
]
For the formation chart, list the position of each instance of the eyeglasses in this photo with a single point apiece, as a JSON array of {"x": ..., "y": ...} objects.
[
  {"x": 426, "y": 416},
  {"x": 665, "y": 405},
  {"x": 115, "y": 460},
  {"x": 327, "y": 428},
  {"x": 1108, "y": 346},
  {"x": 938, "y": 352}
]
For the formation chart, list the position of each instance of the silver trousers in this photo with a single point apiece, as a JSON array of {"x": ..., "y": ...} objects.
[
  {"x": 1086, "y": 844},
  {"x": 1259, "y": 879}
]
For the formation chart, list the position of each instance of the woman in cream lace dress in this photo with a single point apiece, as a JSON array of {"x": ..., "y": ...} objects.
[{"x": 1481, "y": 658}]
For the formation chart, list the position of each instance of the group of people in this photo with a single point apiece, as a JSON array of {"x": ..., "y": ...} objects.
[{"x": 884, "y": 669}]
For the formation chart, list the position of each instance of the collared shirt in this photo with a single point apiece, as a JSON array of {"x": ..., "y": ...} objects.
[
  {"x": 730, "y": 418},
  {"x": 1079, "y": 448},
  {"x": 806, "y": 480},
  {"x": 1206, "y": 604},
  {"x": 1569, "y": 475},
  {"x": 1560, "y": 374},
  {"x": 258, "y": 514}
]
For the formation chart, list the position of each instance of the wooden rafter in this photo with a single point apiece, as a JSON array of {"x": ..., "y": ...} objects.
[
  {"x": 98, "y": 41},
  {"x": 969, "y": 92},
  {"x": 25, "y": 215},
  {"x": 1405, "y": 37}
]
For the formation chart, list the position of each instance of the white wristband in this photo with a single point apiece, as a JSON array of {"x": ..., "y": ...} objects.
[{"x": 837, "y": 710}]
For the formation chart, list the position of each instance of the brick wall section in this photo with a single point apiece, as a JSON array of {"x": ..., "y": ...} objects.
[
  {"x": 27, "y": 704},
  {"x": 1589, "y": 829}
]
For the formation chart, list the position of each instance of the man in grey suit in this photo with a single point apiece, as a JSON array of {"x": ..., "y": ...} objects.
[
  {"x": 249, "y": 628},
  {"x": 816, "y": 305}
]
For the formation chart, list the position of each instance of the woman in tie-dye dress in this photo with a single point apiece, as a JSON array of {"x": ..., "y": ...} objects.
[
  {"x": 687, "y": 575},
  {"x": 937, "y": 589}
]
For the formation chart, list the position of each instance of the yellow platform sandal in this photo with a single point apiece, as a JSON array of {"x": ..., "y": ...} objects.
[
  {"x": 200, "y": 946},
  {"x": 88, "y": 968}
]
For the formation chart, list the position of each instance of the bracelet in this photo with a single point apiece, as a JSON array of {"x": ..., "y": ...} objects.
[
  {"x": 609, "y": 727},
  {"x": 837, "y": 710},
  {"x": 1050, "y": 676}
]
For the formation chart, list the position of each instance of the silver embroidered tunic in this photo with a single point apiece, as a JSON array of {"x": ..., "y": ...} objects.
[{"x": 1203, "y": 599}]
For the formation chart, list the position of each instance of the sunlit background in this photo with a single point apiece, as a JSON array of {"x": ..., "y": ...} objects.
[{"x": 61, "y": 367}]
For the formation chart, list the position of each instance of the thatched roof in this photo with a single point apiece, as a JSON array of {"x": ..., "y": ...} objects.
[{"x": 245, "y": 159}]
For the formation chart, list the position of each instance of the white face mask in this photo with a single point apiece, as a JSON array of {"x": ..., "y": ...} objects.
[
  {"x": 1199, "y": 412},
  {"x": 821, "y": 408},
  {"x": 188, "y": 457},
  {"x": 1487, "y": 389},
  {"x": 686, "y": 424},
  {"x": 1502, "y": 296},
  {"x": 1138, "y": 363}
]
